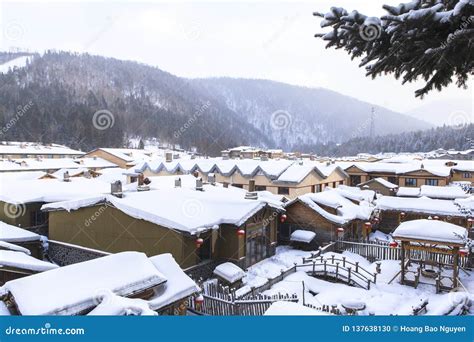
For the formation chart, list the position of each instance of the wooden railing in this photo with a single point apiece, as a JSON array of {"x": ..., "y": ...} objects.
[{"x": 376, "y": 250}]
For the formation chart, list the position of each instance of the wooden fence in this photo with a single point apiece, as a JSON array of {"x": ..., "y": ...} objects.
[{"x": 376, "y": 250}]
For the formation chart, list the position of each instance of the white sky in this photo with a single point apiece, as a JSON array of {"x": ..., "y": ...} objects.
[{"x": 259, "y": 39}]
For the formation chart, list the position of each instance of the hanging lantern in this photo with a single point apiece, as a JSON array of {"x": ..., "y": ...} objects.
[
  {"x": 376, "y": 220},
  {"x": 283, "y": 218},
  {"x": 463, "y": 252},
  {"x": 199, "y": 242},
  {"x": 402, "y": 215},
  {"x": 340, "y": 231},
  {"x": 241, "y": 232},
  {"x": 393, "y": 244},
  {"x": 367, "y": 225},
  {"x": 470, "y": 221},
  {"x": 436, "y": 217},
  {"x": 199, "y": 299}
]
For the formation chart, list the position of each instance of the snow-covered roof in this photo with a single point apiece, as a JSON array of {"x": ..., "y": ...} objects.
[
  {"x": 112, "y": 305},
  {"x": 381, "y": 181},
  {"x": 178, "y": 285},
  {"x": 182, "y": 209},
  {"x": 355, "y": 193},
  {"x": 21, "y": 260},
  {"x": 15, "y": 148},
  {"x": 229, "y": 272},
  {"x": 421, "y": 205},
  {"x": 24, "y": 175},
  {"x": 51, "y": 190},
  {"x": 12, "y": 247},
  {"x": 302, "y": 236},
  {"x": 346, "y": 210},
  {"x": 71, "y": 289},
  {"x": 431, "y": 230},
  {"x": 404, "y": 191},
  {"x": 443, "y": 192},
  {"x": 436, "y": 169},
  {"x": 9, "y": 233},
  {"x": 286, "y": 308}
]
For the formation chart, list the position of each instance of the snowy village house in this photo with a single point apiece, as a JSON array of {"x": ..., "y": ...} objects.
[
  {"x": 194, "y": 225},
  {"x": 328, "y": 214},
  {"x": 127, "y": 283}
]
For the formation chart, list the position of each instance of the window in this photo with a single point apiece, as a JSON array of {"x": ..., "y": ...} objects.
[
  {"x": 431, "y": 181},
  {"x": 238, "y": 185},
  {"x": 334, "y": 185},
  {"x": 283, "y": 190},
  {"x": 260, "y": 188},
  {"x": 410, "y": 181},
  {"x": 466, "y": 175},
  {"x": 341, "y": 182},
  {"x": 355, "y": 180},
  {"x": 257, "y": 244},
  {"x": 392, "y": 180},
  {"x": 318, "y": 188}
]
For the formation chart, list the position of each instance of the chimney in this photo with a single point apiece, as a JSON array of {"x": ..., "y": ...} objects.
[
  {"x": 199, "y": 184},
  {"x": 177, "y": 183},
  {"x": 66, "y": 176},
  {"x": 169, "y": 157},
  {"x": 252, "y": 185},
  {"x": 143, "y": 183},
  {"x": 140, "y": 179},
  {"x": 251, "y": 195},
  {"x": 87, "y": 174},
  {"x": 116, "y": 189}
]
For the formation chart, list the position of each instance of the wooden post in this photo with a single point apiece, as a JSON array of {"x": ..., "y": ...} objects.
[
  {"x": 455, "y": 266},
  {"x": 402, "y": 257}
]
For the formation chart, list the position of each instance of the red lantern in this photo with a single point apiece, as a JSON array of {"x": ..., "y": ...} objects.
[
  {"x": 199, "y": 242},
  {"x": 436, "y": 217},
  {"x": 376, "y": 220},
  {"x": 393, "y": 244},
  {"x": 463, "y": 252},
  {"x": 283, "y": 218},
  {"x": 199, "y": 299},
  {"x": 367, "y": 225},
  {"x": 241, "y": 232},
  {"x": 470, "y": 220},
  {"x": 340, "y": 230},
  {"x": 402, "y": 215}
]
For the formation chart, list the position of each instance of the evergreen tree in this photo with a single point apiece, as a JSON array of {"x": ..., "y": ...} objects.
[{"x": 428, "y": 39}]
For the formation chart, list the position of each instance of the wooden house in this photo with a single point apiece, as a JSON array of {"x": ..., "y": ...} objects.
[
  {"x": 194, "y": 225},
  {"x": 380, "y": 186}
]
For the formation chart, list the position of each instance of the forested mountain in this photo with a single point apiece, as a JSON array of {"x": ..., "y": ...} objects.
[
  {"x": 447, "y": 137},
  {"x": 53, "y": 98},
  {"x": 309, "y": 115}
]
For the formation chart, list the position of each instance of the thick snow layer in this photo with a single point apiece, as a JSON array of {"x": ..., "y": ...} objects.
[
  {"x": 180, "y": 208},
  {"x": 284, "y": 308},
  {"x": 22, "y": 260},
  {"x": 383, "y": 182},
  {"x": 12, "y": 247},
  {"x": 229, "y": 272},
  {"x": 3, "y": 309},
  {"x": 6, "y": 177},
  {"x": 70, "y": 289},
  {"x": 9, "y": 233},
  {"x": 437, "y": 169},
  {"x": 355, "y": 193},
  {"x": 302, "y": 236},
  {"x": 421, "y": 205},
  {"x": 443, "y": 192},
  {"x": 178, "y": 285},
  {"x": 112, "y": 305},
  {"x": 379, "y": 236},
  {"x": 346, "y": 210},
  {"x": 51, "y": 190},
  {"x": 431, "y": 230},
  {"x": 16, "y": 147},
  {"x": 408, "y": 192}
]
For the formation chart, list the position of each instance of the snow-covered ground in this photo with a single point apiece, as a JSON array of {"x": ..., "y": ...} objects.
[
  {"x": 18, "y": 62},
  {"x": 381, "y": 299}
]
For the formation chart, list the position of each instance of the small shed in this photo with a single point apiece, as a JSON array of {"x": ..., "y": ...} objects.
[
  {"x": 303, "y": 239},
  {"x": 435, "y": 246}
]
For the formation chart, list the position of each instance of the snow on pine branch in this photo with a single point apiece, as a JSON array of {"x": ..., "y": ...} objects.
[{"x": 428, "y": 39}]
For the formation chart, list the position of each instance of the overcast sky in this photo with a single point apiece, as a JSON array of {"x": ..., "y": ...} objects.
[{"x": 261, "y": 39}]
